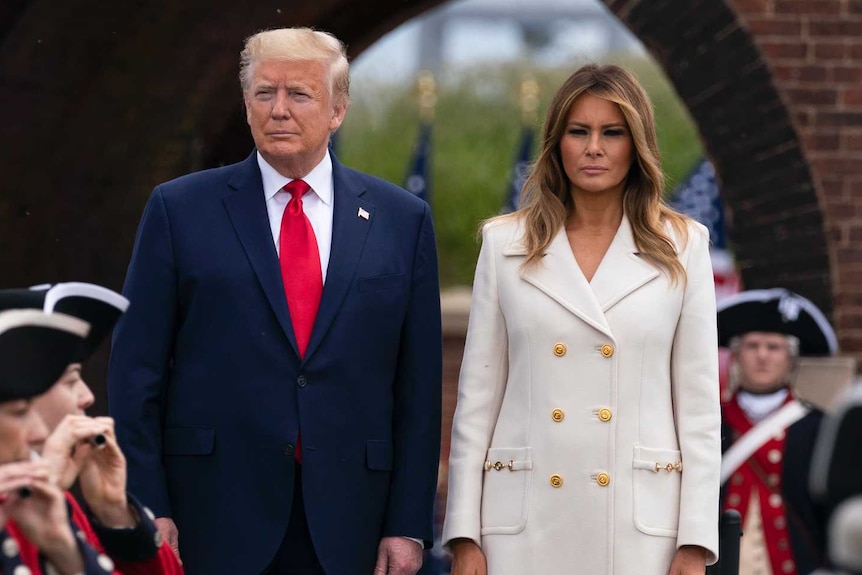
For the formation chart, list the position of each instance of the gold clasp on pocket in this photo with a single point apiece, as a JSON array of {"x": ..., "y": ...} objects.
[
  {"x": 669, "y": 467},
  {"x": 499, "y": 465}
]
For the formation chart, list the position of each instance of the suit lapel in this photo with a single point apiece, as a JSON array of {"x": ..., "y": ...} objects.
[
  {"x": 349, "y": 232},
  {"x": 622, "y": 270},
  {"x": 246, "y": 207},
  {"x": 559, "y": 276}
]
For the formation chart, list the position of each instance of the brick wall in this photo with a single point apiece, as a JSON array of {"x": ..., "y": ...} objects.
[{"x": 814, "y": 51}]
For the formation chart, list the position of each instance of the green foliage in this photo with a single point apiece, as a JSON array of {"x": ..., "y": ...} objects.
[{"x": 476, "y": 133}]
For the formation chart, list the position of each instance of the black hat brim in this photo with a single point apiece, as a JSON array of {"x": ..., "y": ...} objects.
[
  {"x": 96, "y": 305},
  {"x": 777, "y": 311},
  {"x": 35, "y": 349}
]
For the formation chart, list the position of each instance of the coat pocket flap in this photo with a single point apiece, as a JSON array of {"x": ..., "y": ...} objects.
[
  {"x": 656, "y": 460},
  {"x": 509, "y": 459},
  {"x": 384, "y": 282},
  {"x": 188, "y": 441},
  {"x": 378, "y": 455}
]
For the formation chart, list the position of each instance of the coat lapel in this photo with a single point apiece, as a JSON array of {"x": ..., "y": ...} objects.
[
  {"x": 559, "y": 276},
  {"x": 349, "y": 232},
  {"x": 246, "y": 207},
  {"x": 622, "y": 270}
]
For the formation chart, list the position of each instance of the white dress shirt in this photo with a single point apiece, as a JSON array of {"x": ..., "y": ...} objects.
[{"x": 317, "y": 204}]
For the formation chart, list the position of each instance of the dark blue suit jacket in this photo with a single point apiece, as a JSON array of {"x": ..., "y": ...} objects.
[{"x": 208, "y": 390}]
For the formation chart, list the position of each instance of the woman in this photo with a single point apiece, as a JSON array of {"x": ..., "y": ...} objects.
[{"x": 586, "y": 437}]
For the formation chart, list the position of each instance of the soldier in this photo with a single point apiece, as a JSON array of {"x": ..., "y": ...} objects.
[{"x": 768, "y": 434}]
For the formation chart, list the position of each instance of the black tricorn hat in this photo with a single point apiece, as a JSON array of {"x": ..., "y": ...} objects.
[
  {"x": 35, "y": 349},
  {"x": 98, "y": 306},
  {"x": 776, "y": 310}
]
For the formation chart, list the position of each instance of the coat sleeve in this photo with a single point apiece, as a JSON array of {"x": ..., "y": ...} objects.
[
  {"x": 141, "y": 355},
  {"x": 481, "y": 385},
  {"x": 418, "y": 401},
  {"x": 694, "y": 381}
]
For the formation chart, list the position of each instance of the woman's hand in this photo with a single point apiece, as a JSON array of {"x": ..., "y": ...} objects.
[
  {"x": 42, "y": 517},
  {"x": 468, "y": 558},
  {"x": 100, "y": 468},
  {"x": 688, "y": 560},
  {"x": 103, "y": 480}
]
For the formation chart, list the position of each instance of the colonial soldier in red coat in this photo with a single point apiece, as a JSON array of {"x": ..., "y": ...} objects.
[{"x": 768, "y": 434}]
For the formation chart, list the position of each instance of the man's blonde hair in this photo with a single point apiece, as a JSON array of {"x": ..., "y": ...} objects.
[{"x": 298, "y": 44}]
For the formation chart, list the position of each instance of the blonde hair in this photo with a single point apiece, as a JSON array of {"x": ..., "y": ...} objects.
[
  {"x": 545, "y": 198},
  {"x": 291, "y": 44}
]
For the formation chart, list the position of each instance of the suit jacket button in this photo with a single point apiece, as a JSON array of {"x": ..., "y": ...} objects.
[
  {"x": 558, "y": 415},
  {"x": 556, "y": 480},
  {"x": 603, "y": 479},
  {"x": 607, "y": 350},
  {"x": 559, "y": 349},
  {"x": 289, "y": 450},
  {"x": 301, "y": 381},
  {"x": 605, "y": 414}
]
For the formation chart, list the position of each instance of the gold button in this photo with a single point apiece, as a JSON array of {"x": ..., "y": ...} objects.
[
  {"x": 733, "y": 500},
  {"x": 774, "y": 456},
  {"x": 775, "y": 500},
  {"x": 607, "y": 350},
  {"x": 556, "y": 480},
  {"x": 557, "y": 415},
  {"x": 605, "y": 414},
  {"x": 603, "y": 479},
  {"x": 559, "y": 349}
]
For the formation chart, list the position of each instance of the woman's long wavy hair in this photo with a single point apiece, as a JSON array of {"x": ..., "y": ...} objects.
[{"x": 546, "y": 201}]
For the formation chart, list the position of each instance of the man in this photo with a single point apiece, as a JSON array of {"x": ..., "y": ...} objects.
[
  {"x": 768, "y": 435},
  {"x": 276, "y": 380}
]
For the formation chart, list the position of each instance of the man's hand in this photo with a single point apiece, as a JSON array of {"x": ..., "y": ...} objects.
[
  {"x": 688, "y": 560},
  {"x": 398, "y": 556},
  {"x": 170, "y": 533},
  {"x": 468, "y": 558}
]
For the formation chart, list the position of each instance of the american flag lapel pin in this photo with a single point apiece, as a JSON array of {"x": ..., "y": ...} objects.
[{"x": 363, "y": 214}]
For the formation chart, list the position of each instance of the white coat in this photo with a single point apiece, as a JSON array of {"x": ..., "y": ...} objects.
[{"x": 599, "y": 400}]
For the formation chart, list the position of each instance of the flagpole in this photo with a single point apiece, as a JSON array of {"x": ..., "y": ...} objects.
[
  {"x": 427, "y": 88},
  {"x": 418, "y": 180},
  {"x": 528, "y": 102}
]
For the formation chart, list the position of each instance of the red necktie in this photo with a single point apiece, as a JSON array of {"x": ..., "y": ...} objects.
[{"x": 300, "y": 270}]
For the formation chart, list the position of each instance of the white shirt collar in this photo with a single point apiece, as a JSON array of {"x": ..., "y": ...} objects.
[
  {"x": 319, "y": 179},
  {"x": 757, "y": 407}
]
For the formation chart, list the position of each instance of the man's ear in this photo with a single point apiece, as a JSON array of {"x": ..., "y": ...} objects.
[{"x": 338, "y": 113}]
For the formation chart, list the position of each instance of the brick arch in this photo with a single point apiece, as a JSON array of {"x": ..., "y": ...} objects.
[{"x": 102, "y": 101}]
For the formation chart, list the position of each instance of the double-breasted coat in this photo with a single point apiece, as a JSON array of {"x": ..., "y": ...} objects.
[{"x": 586, "y": 437}]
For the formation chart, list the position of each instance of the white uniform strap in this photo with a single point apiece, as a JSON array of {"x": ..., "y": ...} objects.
[{"x": 755, "y": 437}]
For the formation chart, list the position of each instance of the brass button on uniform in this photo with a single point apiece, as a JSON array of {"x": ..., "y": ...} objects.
[
  {"x": 603, "y": 479},
  {"x": 557, "y": 415},
  {"x": 607, "y": 350},
  {"x": 556, "y": 480},
  {"x": 605, "y": 414},
  {"x": 559, "y": 349}
]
